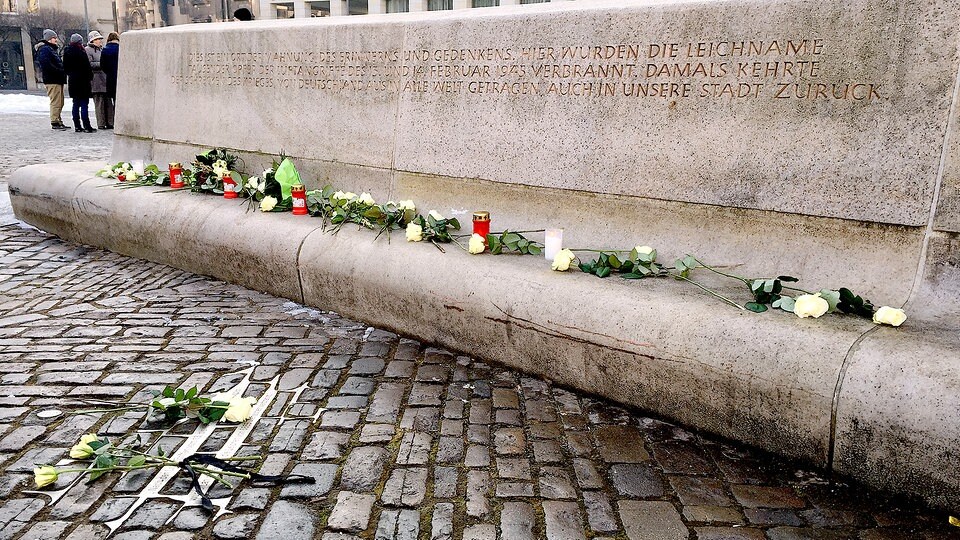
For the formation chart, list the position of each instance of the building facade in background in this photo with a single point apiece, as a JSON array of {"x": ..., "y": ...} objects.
[{"x": 22, "y": 21}]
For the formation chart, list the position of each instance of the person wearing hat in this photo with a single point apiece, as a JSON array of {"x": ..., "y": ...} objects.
[
  {"x": 98, "y": 86},
  {"x": 53, "y": 75},
  {"x": 79, "y": 74}
]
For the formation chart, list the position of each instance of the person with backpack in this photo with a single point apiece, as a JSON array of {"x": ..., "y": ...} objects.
[{"x": 53, "y": 75}]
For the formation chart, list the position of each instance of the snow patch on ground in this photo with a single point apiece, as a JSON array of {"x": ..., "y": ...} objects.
[{"x": 30, "y": 104}]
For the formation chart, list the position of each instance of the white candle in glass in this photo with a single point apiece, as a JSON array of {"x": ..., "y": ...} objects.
[
  {"x": 137, "y": 165},
  {"x": 552, "y": 243}
]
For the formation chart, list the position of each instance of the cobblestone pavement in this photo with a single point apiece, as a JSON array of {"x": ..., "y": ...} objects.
[
  {"x": 26, "y": 139},
  {"x": 404, "y": 440}
]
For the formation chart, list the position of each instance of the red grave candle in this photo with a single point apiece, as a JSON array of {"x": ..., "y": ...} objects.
[
  {"x": 229, "y": 187},
  {"x": 481, "y": 224},
  {"x": 299, "y": 195},
  {"x": 176, "y": 175}
]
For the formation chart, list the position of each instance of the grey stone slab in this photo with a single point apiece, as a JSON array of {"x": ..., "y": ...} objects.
[
  {"x": 621, "y": 444},
  {"x": 482, "y": 531},
  {"x": 326, "y": 445},
  {"x": 634, "y": 480},
  {"x": 517, "y": 521},
  {"x": 287, "y": 520},
  {"x": 563, "y": 521},
  {"x": 414, "y": 448},
  {"x": 441, "y": 523},
  {"x": 322, "y": 474},
  {"x": 600, "y": 514},
  {"x": 373, "y": 433},
  {"x": 555, "y": 483},
  {"x": 236, "y": 527},
  {"x": 509, "y": 441},
  {"x": 766, "y": 497},
  {"x": 385, "y": 405},
  {"x": 445, "y": 482},
  {"x": 514, "y": 489},
  {"x": 405, "y": 487},
  {"x": 363, "y": 468},
  {"x": 514, "y": 468},
  {"x": 478, "y": 487},
  {"x": 352, "y": 511},
  {"x": 712, "y": 514},
  {"x": 651, "y": 520},
  {"x": 587, "y": 475},
  {"x": 398, "y": 525}
]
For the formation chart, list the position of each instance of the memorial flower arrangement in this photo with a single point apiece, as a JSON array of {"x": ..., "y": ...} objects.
[
  {"x": 174, "y": 404},
  {"x": 272, "y": 191},
  {"x": 209, "y": 170},
  {"x": 126, "y": 173}
]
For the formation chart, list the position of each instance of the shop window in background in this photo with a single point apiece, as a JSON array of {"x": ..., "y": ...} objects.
[
  {"x": 485, "y": 3},
  {"x": 356, "y": 7},
  {"x": 439, "y": 5},
  {"x": 320, "y": 9},
  {"x": 284, "y": 11},
  {"x": 398, "y": 6}
]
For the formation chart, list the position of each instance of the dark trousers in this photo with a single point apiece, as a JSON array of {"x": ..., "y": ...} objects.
[
  {"x": 80, "y": 113},
  {"x": 104, "y": 109}
]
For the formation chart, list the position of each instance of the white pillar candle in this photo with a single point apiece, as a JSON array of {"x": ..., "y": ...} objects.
[
  {"x": 552, "y": 243},
  {"x": 137, "y": 165}
]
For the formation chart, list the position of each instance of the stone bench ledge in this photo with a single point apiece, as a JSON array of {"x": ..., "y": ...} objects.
[{"x": 768, "y": 380}]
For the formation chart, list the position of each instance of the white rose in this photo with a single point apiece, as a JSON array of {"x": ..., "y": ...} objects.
[
  {"x": 82, "y": 450},
  {"x": 810, "y": 305},
  {"x": 644, "y": 250},
  {"x": 252, "y": 182},
  {"x": 268, "y": 203},
  {"x": 166, "y": 402},
  {"x": 239, "y": 409},
  {"x": 889, "y": 315},
  {"x": 339, "y": 196},
  {"x": 476, "y": 244},
  {"x": 435, "y": 215},
  {"x": 349, "y": 195},
  {"x": 407, "y": 205},
  {"x": 562, "y": 260},
  {"x": 367, "y": 199},
  {"x": 414, "y": 233},
  {"x": 131, "y": 175}
]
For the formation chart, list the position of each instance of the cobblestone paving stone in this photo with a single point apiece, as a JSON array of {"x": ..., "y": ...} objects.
[{"x": 410, "y": 442}]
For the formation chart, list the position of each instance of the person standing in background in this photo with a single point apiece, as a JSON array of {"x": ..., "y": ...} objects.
[
  {"x": 98, "y": 86},
  {"x": 54, "y": 77},
  {"x": 109, "y": 60},
  {"x": 79, "y": 75}
]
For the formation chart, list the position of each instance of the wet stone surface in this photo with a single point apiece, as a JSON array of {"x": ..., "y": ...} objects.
[{"x": 403, "y": 440}]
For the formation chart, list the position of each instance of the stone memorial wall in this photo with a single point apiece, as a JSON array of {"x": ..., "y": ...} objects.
[{"x": 786, "y": 110}]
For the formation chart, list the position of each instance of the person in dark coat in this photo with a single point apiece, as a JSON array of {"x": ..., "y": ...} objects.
[
  {"x": 98, "y": 86},
  {"x": 109, "y": 60},
  {"x": 79, "y": 75},
  {"x": 51, "y": 71}
]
